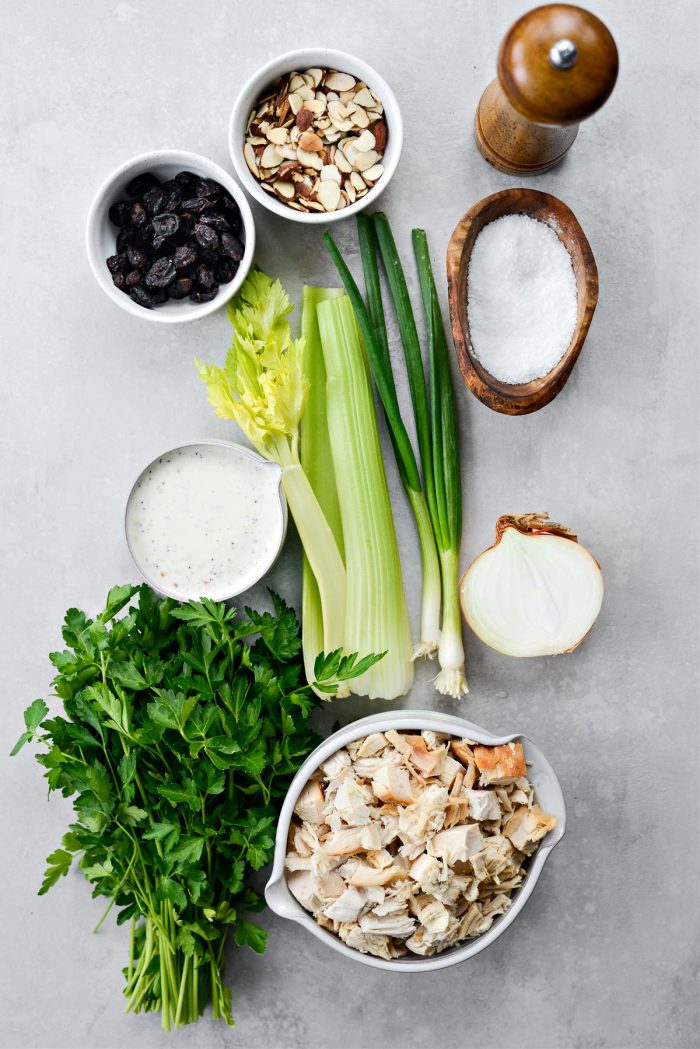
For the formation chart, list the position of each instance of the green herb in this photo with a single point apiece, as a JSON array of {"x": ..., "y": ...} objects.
[{"x": 183, "y": 727}]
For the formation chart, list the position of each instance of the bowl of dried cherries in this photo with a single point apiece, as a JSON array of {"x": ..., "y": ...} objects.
[{"x": 170, "y": 236}]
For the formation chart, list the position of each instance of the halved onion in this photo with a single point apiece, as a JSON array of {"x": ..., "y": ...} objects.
[{"x": 535, "y": 592}]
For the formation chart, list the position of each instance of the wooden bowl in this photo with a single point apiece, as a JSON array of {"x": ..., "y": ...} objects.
[{"x": 518, "y": 398}]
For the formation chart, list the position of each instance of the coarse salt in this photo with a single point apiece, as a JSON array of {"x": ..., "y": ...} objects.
[{"x": 521, "y": 298}]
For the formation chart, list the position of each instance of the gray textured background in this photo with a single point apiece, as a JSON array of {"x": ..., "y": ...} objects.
[{"x": 605, "y": 952}]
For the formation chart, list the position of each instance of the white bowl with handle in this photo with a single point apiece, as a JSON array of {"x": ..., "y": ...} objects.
[{"x": 548, "y": 794}]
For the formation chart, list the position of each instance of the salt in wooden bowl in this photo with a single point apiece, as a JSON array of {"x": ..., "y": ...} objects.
[{"x": 518, "y": 398}]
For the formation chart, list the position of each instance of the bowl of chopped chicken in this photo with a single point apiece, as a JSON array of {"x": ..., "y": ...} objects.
[{"x": 411, "y": 840}]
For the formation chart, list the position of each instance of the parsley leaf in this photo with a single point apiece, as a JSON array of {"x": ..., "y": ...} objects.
[{"x": 182, "y": 728}]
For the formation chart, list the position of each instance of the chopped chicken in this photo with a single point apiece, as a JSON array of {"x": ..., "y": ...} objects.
[
  {"x": 449, "y": 772},
  {"x": 351, "y": 803},
  {"x": 500, "y": 764},
  {"x": 302, "y": 884},
  {"x": 395, "y": 849},
  {"x": 435, "y": 917},
  {"x": 334, "y": 765},
  {"x": 483, "y": 804},
  {"x": 528, "y": 826},
  {"x": 365, "y": 875},
  {"x": 381, "y": 946},
  {"x": 425, "y": 870},
  {"x": 399, "y": 925},
  {"x": 402, "y": 742},
  {"x": 392, "y": 784},
  {"x": 348, "y": 907},
  {"x": 457, "y": 843},
  {"x": 371, "y": 745},
  {"x": 353, "y": 839},
  {"x": 427, "y": 762},
  {"x": 425, "y": 814},
  {"x": 311, "y": 803}
]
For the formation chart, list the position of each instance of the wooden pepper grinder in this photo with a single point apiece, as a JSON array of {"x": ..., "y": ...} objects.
[{"x": 557, "y": 65}]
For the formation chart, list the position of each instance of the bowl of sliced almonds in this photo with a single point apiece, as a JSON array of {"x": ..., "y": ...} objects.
[{"x": 315, "y": 135}]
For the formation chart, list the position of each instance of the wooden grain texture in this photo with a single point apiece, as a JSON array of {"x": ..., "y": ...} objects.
[
  {"x": 527, "y": 119},
  {"x": 518, "y": 398}
]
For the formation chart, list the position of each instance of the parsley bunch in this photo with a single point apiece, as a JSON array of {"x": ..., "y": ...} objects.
[{"x": 184, "y": 727}]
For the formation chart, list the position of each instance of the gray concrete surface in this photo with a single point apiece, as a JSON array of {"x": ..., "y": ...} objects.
[{"x": 605, "y": 953}]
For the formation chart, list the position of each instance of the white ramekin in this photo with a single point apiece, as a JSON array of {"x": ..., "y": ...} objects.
[
  {"x": 323, "y": 58},
  {"x": 155, "y": 582},
  {"x": 540, "y": 773},
  {"x": 101, "y": 235}
]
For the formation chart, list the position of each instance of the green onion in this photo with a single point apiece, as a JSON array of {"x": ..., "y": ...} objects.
[
  {"x": 373, "y": 328},
  {"x": 411, "y": 348},
  {"x": 446, "y": 472},
  {"x": 376, "y": 613},
  {"x": 317, "y": 463}
]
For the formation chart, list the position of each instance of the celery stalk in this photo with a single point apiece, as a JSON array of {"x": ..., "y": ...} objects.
[
  {"x": 376, "y": 617},
  {"x": 317, "y": 461},
  {"x": 262, "y": 387}
]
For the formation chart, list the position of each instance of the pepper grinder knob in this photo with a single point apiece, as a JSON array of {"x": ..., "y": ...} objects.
[{"x": 557, "y": 65}]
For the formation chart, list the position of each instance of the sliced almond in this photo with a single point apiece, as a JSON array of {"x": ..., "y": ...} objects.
[
  {"x": 306, "y": 92},
  {"x": 256, "y": 140},
  {"x": 380, "y": 134},
  {"x": 329, "y": 195},
  {"x": 364, "y": 161},
  {"x": 296, "y": 81},
  {"x": 373, "y": 173},
  {"x": 295, "y": 102},
  {"x": 249, "y": 155},
  {"x": 330, "y": 173},
  {"x": 349, "y": 191},
  {"x": 288, "y": 152},
  {"x": 270, "y": 158},
  {"x": 342, "y": 161},
  {"x": 348, "y": 147},
  {"x": 359, "y": 117},
  {"x": 305, "y": 118},
  {"x": 331, "y": 134},
  {"x": 364, "y": 98},
  {"x": 285, "y": 190},
  {"x": 310, "y": 160},
  {"x": 315, "y": 107},
  {"x": 304, "y": 186},
  {"x": 339, "y": 81},
  {"x": 310, "y": 142},
  {"x": 289, "y": 168},
  {"x": 365, "y": 142},
  {"x": 356, "y": 180},
  {"x": 277, "y": 135},
  {"x": 313, "y": 205},
  {"x": 316, "y": 75}
]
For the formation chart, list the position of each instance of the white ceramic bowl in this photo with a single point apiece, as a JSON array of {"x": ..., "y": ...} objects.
[
  {"x": 324, "y": 58},
  {"x": 100, "y": 234},
  {"x": 279, "y": 525},
  {"x": 548, "y": 794}
]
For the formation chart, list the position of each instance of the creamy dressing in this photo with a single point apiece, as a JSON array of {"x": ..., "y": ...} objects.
[{"x": 205, "y": 520}]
